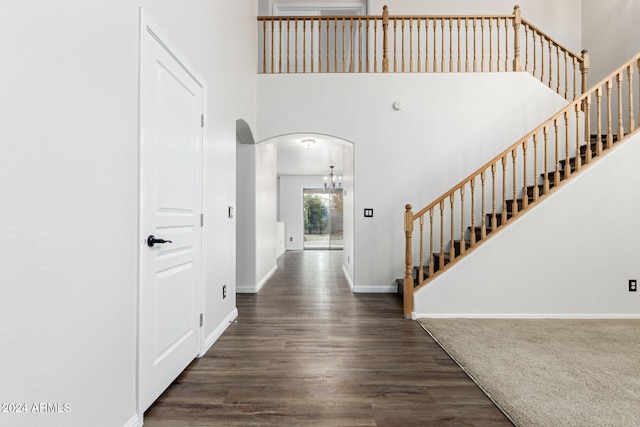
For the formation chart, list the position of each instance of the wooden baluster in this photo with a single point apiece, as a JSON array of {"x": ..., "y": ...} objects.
[
  {"x": 385, "y": 39},
  {"x": 483, "y": 221},
  {"x": 578, "y": 156},
  {"x": 408, "y": 277},
  {"x": 466, "y": 43},
  {"x": 344, "y": 63},
  {"x": 402, "y": 45},
  {"x": 490, "y": 44},
  {"x": 536, "y": 189},
  {"x": 328, "y": 51},
  {"x": 441, "y": 235},
  {"x": 499, "y": 55},
  {"x": 430, "y": 242},
  {"x": 312, "y": 25},
  {"x": 575, "y": 93},
  {"x": 352, "y": 50},
  {"x": 558, "y": 70},
  {"x": 504, "y": 190},
  {"x": 462, "y": 242},
  {"x": 280, "y": 46},
  {"x": 631, "y": 124},
  {"x": 395, "y": 46},
  {"x": 272, "y": 46},
  {"x": 452, "y": 247},
  {"x": 264, "y": 46},
  {"x": 556, "y": 174},
  {"x": 494, "y": 221},
  {"x": 609, "y": 117},
  {"x": 419, "y": 23},
  {"x": 435, "y": 49},
  {"x": 475, "y": 52},
  {"x": 599, "y": 118},
  {"x": 567, "y": 164},
  {"x": 587, "y": 127},
  {"x": 533, "y": 47},
  {"x": 295, "y": 55},
  {"x": 525, "y": 195},
  {"x": 304, "y": 45},
  {"x": 526, "y": 48},
  {"x": 421, "y": 264},
  {"x": 541, "y": 58},
  {"x": 411, "y": 45},
  {"x": 426, "y": 45},
  {"x": 375, "y": 46},
  {"x": 458, "y": 23},
  {"x": 288, "y": 44},
  {"x": 514, "y": 207},
  {"x": 483, "y": 61},
  {"x": 546, "y": 160},
  {"x": 638, "y": 66},
  {"x": 517, "y": 20},
  {"x": 442, "y": 45},
  {"x": 566, "y": 75},
  {"x": 620, "y": 125},
  {"x": 550, "y": 62},
  {"x": 585, "y": 69},
  {"x": 359, "y": 45},
  {"x": 472, "y": 235},
  {"x": 506, "y": 45},
  {"x": 368, "y": 55}
]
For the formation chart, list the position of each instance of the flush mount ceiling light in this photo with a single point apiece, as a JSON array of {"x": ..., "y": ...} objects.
[
  {"x": 332, "y": 181},
  {"x": 308, "y": 143}
]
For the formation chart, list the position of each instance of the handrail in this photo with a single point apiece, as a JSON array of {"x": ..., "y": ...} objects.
[
  {"x": 418, "y": 43},
  {"x": 515, "y": 176}
]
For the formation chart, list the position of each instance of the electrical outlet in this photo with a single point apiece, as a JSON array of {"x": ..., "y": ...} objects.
[
  {"x": 224, "y": 291},
  {"x": 633, "y": 285}
]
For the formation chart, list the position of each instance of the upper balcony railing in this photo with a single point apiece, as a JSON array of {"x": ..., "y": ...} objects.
[{"x": 470, "y": 43}]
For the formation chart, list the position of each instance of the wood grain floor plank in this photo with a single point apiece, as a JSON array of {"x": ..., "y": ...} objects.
[{"x": 305, "y": 351}]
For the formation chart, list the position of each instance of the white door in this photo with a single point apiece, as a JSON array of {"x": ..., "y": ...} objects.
[{"x": 171, "y": 135}]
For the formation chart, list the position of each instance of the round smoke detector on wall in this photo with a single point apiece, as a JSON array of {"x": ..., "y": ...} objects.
[{"x": 397, "y": 106}]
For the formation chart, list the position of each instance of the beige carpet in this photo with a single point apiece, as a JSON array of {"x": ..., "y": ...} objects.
[{"x": 549, "y": 372}]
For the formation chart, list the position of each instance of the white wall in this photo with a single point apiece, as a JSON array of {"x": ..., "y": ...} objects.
[
  {"x": 69, "y": 168},
  {"x": 409, "y": 156},
  {"x": 571, "y": 256},
  {"x": 610, "y": 33}
]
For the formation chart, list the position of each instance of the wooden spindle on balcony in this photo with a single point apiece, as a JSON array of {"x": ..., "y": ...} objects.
[
  {"x": 344, "y": 63},
  {"x": 295, "y": 60},
  {"x": 375, "y": 47},
  {"x": 566, "y": 76},
  {"x": 359, "y": 45},
  {"x": 584, "y": 68},
  {"x": 442, "y": 45},
  {"x": 264, "y": 46},
  {"x": 304, "y": 45},
  {"x": 498, "y": 55},
  {"x": 411, "y": 45},
  {"x": 472, "y": 236},
  {"x": 546, "y": 159},
  {"x": 288, "y": 44},
  {"x": 517, "y": 20},
  {"x": 466, "y": 43},
  {"x": 490, "y": 44},
  {"x": 385, "y": 39},
  {"x": 631, "y": 123},
  {"x": 280, "y": 46},
  {"x": 475, "y": 49},
  {"x": 395, "y": 46},
  {"x": 550, "y": 63},
  {"x": 408, "y": 278},
  {"x": 609, "y": 117},
  {"x": 483, "y": 220},
  {"x": 435, "y": 49},
  {"x": 506, "y": 45},
  {"x": 418, "y": 61},
  {"x": 272, "y": 46},
  {"x": 458, "y": 27},
  {"x": 430, "y": 242},
  {"x": 402, "y": 55}
]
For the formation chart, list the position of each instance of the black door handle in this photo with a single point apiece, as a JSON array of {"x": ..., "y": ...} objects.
[{"x": 151, "y": 241}]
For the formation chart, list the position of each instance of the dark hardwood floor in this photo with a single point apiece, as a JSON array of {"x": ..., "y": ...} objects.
[{"x": 305, "y": 351}]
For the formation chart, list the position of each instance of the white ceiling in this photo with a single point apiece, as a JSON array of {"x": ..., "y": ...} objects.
[{"x": 294, "y": 158}]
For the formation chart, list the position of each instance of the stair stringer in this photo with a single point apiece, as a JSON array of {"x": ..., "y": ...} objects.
[{"x": 571, "y": 255}]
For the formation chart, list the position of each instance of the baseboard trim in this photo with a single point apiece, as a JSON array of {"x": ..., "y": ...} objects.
[
  {"x": 391, "y": 289},
  {"x": 254, "y": 289},
  {"x": 133, "y": 422},
  {"x": 347, "y": 277},
  {"x": 217, "y": 333},
  {"x": 415, "y": 316}
]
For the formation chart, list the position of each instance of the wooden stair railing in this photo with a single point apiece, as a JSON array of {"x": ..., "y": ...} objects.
[
  {"x": 418, "y": 43},
  {"x": 518, "y": 178}
]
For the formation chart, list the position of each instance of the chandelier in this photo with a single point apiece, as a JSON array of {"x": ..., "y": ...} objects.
[{"x": 332, "y": 181}]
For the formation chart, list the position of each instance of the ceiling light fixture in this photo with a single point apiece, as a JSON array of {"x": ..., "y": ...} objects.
[
  {"x": 308, "y": 143},
  {"x": 332, "y": 181}
]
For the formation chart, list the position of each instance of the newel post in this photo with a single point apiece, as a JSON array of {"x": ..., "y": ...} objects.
[
  {"x": 517, "y": 20},
  {"x": 584, "y": 67},
  {"x": 408, "y": 277},
  {"x": 385, "y": 39}
]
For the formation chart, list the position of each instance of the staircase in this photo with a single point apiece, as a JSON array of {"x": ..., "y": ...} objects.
[{"x": 520, "y": 177}]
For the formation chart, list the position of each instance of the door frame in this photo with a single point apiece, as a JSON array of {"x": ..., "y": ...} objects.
[{"x": 148, "y": 25}]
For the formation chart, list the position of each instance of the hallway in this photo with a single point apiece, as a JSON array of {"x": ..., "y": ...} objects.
[{"x": 305, "y": 351}]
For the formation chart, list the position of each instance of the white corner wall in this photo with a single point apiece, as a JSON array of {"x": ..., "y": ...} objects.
[
  {"x": 69, "y": 168},
  {"x": 610, "y": 34},
  {"x": 571, "y": 256},
  {"x": 450, "y": 124}
]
